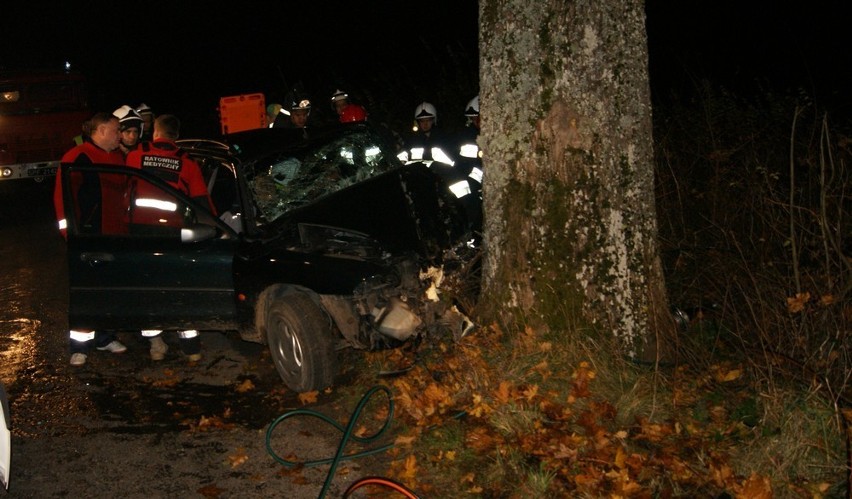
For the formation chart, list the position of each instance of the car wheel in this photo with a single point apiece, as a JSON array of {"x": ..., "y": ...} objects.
[{"x": 300, "y": 338}]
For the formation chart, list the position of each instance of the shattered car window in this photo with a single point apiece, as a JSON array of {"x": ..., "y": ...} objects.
[{"x": 287, "y": 181}]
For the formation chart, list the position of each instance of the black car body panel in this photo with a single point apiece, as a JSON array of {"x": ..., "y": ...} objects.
[{"x": 159, "y": 284}]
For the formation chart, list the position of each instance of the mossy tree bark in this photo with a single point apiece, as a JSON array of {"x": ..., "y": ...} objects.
[{"x": 570, "y": 236}]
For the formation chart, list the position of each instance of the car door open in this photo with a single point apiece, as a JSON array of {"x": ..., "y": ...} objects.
[{"x": 141, "y": 255}]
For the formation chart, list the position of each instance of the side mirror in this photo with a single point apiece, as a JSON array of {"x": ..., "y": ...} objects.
[{"x": 197, "y": 233}]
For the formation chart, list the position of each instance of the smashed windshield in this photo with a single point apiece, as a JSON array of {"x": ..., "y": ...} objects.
[{"x": 286, "y": 181}]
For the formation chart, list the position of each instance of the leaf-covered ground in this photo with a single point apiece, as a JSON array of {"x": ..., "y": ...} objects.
[{"x": 495, "y": 416}]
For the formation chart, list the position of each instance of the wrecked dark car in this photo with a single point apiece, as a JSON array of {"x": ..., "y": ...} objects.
[{"x": 318, "y": 242}]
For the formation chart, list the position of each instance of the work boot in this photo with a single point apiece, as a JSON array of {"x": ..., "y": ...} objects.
[
  {"x": 158, "y": 348},
  {"x": 114, "y": 346},
  {"x": 190, "y": 344},
  {"x": 78, "y": 359}
]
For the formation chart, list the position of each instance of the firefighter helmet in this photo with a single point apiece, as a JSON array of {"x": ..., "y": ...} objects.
[
  {"x": 127, "y": 118},
  {"x": 472, "y": 109},
  {"x": 300, "y": 103},
  {"x": 339, "y": 101},
  {"x": 144, "y": 109},
  {"x": 425, "y": 110},
  {"x": 338, "y": 95}
]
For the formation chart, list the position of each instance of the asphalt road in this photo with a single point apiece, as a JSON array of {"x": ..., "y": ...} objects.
[{"x": 126, "y": 426}]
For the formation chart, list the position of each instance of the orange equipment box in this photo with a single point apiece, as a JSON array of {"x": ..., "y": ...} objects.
[{"x": 242, "y": 112}]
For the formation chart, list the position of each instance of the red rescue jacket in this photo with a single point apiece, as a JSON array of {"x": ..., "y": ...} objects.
[
  {"x": 169, "y": 162},
  {"x": 104, "y": 210}
]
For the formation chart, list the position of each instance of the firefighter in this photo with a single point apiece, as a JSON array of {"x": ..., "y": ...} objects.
[
  {"x": 469, "y": 163},
  {"x": 164, "y": 158},
  {"x": 294, "y": 115},
  {"x": 130, "y": 126},
  {"x": 298, "y": 112},
  {"x": 426, "y": 142},
  {"x": 469, "y": 155},
  {"x": 147, "y": 122},
  {"x": 339, "y": 101},
  {"x": 99, "y": 200},
  {"x": 468, "y": 146}
]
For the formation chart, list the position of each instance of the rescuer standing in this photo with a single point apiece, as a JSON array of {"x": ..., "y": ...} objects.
[
  {"x": 165, "y": 159},
  {"x": 101, "y": 201}
]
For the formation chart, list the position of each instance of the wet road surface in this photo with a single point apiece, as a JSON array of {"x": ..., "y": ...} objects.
[{"x": 123, "y": 425}]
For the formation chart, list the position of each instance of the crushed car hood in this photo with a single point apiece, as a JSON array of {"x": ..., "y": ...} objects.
[{"x": 408, "y": 209}]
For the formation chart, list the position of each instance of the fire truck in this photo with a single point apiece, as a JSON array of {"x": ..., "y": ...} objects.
[{"x": 41, "y": 113}]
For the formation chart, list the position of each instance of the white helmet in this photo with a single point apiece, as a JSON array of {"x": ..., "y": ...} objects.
[
  {"x": 472, "y": 109},
  {"x": 124, "y": 111},
  {"x": 425, "y": 110},
  {"x": 338, "y": 95},
  {"x": 128, "y": 118},
  {"x": 144, "y": 109}
]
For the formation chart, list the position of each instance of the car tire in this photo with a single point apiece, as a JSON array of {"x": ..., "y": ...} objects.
[{"x": 300, "y": 337}]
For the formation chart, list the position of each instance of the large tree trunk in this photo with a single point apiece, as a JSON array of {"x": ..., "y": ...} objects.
[{"x": 570, "y": 234}]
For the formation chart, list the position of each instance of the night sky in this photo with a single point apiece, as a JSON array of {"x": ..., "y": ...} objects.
[
  {"x": 746, "y": 45},
  {"x": 181, "y": 56}
]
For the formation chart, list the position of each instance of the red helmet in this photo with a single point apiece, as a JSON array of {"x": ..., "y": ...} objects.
[{"x": 353, "y": 113}]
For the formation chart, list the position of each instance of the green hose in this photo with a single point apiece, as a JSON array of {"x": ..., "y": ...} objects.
[{"x": 347, "y": 434}]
